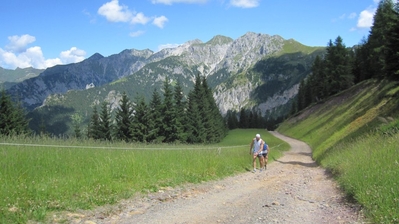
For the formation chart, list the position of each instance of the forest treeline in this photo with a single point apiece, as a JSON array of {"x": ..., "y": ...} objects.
[
  {"x": 376, "y": 57},
  {"x": 169, "y": 118}
]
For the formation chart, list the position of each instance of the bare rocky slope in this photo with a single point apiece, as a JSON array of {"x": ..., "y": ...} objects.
[{"x": 294, "y": 189}]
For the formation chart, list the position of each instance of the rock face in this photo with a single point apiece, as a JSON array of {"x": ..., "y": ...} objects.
[{"x": 228, "y": 64}]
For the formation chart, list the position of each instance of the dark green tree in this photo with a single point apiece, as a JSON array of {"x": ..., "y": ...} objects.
[
  {"x": 384, "y": 21},
  {"x": 194, "y": 125},
  {"x": 180, "y": 112},
  {"x": 318, "y": 80},
  {"x": 123, "y": 119},
  {"x": 94, "y": 125},
  {"x": 105, "y": 122},
  {"x": 244, "y": 118},
  {"x": 232, "y": 121},
  {"x": 169, "y": 122},
  {"x": 155, "y": 118},
  {"x": 338, "y": 67},
  {"x": 140, "y": 127},
  {"x": 213, "y": 119},
  {"x": 301, "y": 96},
  {"x": 12, "y": 116},
  {"x": 392, "y": 52},
  {"x": 76, "y": 122}
]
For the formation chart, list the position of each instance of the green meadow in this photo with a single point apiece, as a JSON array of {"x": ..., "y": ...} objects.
[
  {"x": 355, "y": 135},
  {"x": 43, "y": 175}
]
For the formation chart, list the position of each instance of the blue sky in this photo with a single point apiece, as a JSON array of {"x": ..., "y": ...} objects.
[{"x": 43, "y": 33}]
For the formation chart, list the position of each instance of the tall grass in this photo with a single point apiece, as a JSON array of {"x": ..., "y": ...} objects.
[
  {"x": 351, "y": 135},
  {"x": 71, "y": 175},
  {"x": 368, "y": 170}
]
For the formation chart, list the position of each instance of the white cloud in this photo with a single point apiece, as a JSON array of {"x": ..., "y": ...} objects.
[
  {"x": 140, "y": 18},
  {"x": 366, "y": 18},
  {"x": 245, "y": 3},
  {"x": 170, "y": 2},
  {"x": 33, "y": 56},
  {"x": 137, "y": 33},
  {"x": 164, "y": 46},
  {"x": 18, "y": 43},
  {"x": 72, "y": 55},
  {"x": 115, "y": 12},
  {"x": 160, "y": 21}
]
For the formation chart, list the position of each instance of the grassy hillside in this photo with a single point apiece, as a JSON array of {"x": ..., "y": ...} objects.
[
  {"x": 39, "y": 176},
  {"x": 355, "y": 134}
]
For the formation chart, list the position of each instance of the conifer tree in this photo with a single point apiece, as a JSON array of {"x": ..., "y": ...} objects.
[
  {"x": 76, "y": 121},
  {"x": 392, "y": 53},
  {"x": 317, "y": 80},
  {"x": 169, "y": 129},
  {"x": 123, "y": 119},
  {"x": 194, "y": 125},
  {"x": 301, "y": 96},
  {"x": 140, "y": 127},
  {"x": 105, "y": 122},
  {"x": 155, "y": 117},
  {"x": 94, "y": 125},
  {"x": 208, "y": 112},
  {"x": 244, "y": 120},
  {"x": 338, "y": 67},
  {"x": 12, "y": 116},
  {"x": 384, "y": 21},
  {"x": 232, "y": 121},
  {"x": 180, "y": 112}
]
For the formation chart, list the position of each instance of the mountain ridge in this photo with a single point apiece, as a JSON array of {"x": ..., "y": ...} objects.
[{"x": 231, "y": 67}]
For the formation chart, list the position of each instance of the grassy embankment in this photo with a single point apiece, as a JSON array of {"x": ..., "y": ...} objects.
[
  {"x": 355, "y": 134},
  {"x": 70, "y": 175}
]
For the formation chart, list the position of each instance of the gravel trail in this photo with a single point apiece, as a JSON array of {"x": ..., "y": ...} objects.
[{"x": 293, "y": 189}]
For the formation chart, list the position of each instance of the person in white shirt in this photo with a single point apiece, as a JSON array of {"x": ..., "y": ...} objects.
[{"x": 256, "y": 151}]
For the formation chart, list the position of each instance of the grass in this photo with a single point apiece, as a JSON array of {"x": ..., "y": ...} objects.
[
  {"x": 368, "y": 170},
  {"x": 67, "y": 175},
  {"x": 354, "y": 135}
]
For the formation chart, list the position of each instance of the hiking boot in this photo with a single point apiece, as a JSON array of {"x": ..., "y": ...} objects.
[{"x": 253, "y": 171}]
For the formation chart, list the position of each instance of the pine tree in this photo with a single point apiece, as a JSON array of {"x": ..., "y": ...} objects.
[
  {"x": 338, "y": 67},
  {"x": 232, "y": 121},
  {"x": 76, "y": 121},
  {"x": 244, "y": 120},
  {"x": 123, "y": 119},
  {"x": 12, "y": 116},
  {"x": 301, "y": 96},
  {"x": 217, "y": 127},
  {"x": 169, "y": 129},
  {"x": 155, "y": 118},
  {"x": 105, "y": 122},
  {"x": 392, "y": 53},
  {"x": 140, "y": 127},
  {"x": 180, "y": 112},
  {"x": 361, "y": 70},
  {"x": 384, "y": 21},
  {"x": 194, "y": 125},
  {"x": 94, "y": 125},
  {"x": 317, "y": 81}
]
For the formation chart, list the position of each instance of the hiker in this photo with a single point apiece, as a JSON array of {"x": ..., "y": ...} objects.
[
  {"x": 256, "y": 151},
  {"x": 265, "y": 154}
]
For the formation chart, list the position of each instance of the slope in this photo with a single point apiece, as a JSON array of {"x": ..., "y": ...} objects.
[{"x": 355, "y": 134}]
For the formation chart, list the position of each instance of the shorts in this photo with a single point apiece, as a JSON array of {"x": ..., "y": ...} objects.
[{"x": 264, "y": 154}]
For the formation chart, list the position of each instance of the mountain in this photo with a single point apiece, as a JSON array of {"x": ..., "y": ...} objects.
[
  {"x": 9, "y": 77},
  {"x": 254, "y": 71}
]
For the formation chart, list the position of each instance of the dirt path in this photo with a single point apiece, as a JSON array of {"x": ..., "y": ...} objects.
[{"x": 292, "y": 190}]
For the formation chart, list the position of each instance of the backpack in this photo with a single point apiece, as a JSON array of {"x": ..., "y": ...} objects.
[{"x": 264, "y": 147}]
